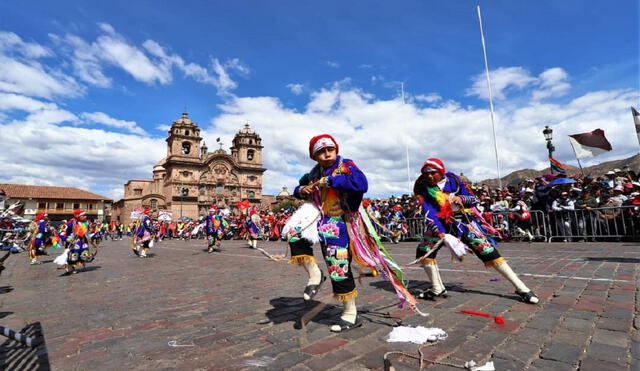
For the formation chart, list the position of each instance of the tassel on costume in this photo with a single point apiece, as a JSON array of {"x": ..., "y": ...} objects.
[
  {"x": 302, "y": 259},
  {"x": 495, "y": 262},
  {"x": 429, "y": 261},
  {"x": 346, "y": 297}
]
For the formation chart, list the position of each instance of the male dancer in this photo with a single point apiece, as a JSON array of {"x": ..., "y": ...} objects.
[
  {"x": 214, "y": 229},
  {"x": 337, "y": 186},
  {"x": 444, "y": 199}
]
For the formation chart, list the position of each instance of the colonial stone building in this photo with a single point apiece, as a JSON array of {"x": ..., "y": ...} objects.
[{"x": 190, "y": 178}]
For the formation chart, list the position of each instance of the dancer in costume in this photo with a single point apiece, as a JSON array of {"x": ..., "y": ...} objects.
[
  {"x": 77, "y": 251},
  {"x": 253, "y": 223},
  {"x": 449, "y": 209},
  {"x": 301, "y": 232},
  {"x": 40, "y": 235},
  {"x": 335, "y": 186},
  {"x": 214, "y": 228},
  {"x": 144, "y": 234}
]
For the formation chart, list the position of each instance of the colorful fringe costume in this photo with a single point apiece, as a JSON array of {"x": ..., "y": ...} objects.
[
  {"x": 345, "y": 231},
  {"x": 459, "y": 221},
  {"x": 78, "y": 237},
  {"x": 214, "y": 230},
  {"x": 144, "y": 235}
]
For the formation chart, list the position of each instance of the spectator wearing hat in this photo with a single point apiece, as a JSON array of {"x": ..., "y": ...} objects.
[
  {"x": 619, "y": 197},
  {"x": 586, "y": 203},
  {"x": 610, "y": 180},
  {"x": 561, "y": 207}
]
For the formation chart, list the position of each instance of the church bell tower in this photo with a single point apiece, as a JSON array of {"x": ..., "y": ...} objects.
[{"x": 184, "y": 138}]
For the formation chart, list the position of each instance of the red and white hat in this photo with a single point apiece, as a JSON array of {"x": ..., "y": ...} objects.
[
  {"x": 146, "y": 211},
  {"x": 321, "y": 141},
  {"x": 79, "y": 212},
  {"x": 40, "y": 216},
  {"x": 433, "y": 164},
  {"x": 213, "y": 208}
]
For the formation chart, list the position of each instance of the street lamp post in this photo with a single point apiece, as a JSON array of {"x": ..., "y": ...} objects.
[{"x": 548, "y": 136}]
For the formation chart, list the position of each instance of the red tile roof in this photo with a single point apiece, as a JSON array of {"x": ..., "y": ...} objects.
[{"x": 48, "y": 192}]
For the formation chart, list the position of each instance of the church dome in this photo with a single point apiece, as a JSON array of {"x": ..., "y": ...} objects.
[
  {"x": 184, "y": 120},
  {"x": 284, "y": 192},
  {"x": 158, "y": 168},
  {"x": 246, "y": 130}
]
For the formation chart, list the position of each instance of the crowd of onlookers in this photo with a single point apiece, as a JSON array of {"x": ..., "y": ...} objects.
[{"x": 570, "y": 208}]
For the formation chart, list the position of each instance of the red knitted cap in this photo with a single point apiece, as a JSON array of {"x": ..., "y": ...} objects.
[
  {"x": 314, "y": 140},
  {"x": 435, "y": 164}
]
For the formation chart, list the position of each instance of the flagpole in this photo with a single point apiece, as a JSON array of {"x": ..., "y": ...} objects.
[
  {"x": 576, "y": 154},
  {"x": 493, "y": 125},
  {"x": 406, "y": 143}
]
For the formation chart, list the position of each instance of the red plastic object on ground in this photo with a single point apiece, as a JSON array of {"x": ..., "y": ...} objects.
[{"x": 498, "y": 319}]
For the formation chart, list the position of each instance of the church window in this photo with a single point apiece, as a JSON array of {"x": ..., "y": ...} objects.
[
  {"x": 186, "y": 132},
  {"x": 250, "y": 154},
  {"x": 220, "y": 189},
  {"x": 251, "y": 194},
  {"x": 250, "y": 141},
  {"x": 184, "y": 192},
  {"x": 154, "y": 204},
  {"x": 137, "y": 192},
  {"x": 186, "y": 148}
]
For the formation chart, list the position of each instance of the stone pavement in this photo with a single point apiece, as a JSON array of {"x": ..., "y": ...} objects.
[{"x": 186, "y": 309}]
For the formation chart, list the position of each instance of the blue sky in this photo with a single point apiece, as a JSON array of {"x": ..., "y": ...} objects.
[{"x": 119, "y": 70}]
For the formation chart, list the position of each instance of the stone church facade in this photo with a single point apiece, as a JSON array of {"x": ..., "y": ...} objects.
[{"x": 190, "y": 178}]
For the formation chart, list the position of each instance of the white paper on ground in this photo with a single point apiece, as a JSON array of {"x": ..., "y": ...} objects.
[
  {"x": 416, "y": 335},
  {"x": 487, "y": 367}
]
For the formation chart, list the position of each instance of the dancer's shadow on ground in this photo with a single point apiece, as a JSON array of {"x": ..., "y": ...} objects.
[
  {"x": 613, "y": 260},
  {"x": 80, "y": 270},
  {"x": 415, "y": 287},
  {"x": 15, "y": 356},
  {"x": 5, "y": 314},
  {"x": 290, "y": 309},
  {"x": 5, "y": 289}
]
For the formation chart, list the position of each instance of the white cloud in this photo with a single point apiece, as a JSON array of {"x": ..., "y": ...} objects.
[
  {"x": 104, "y": 119},
  {"x": 332, "y": 64},
  {"x": 40, "y": 149},
  {"x": 296, "y": 89},
  {"x": 150, "y": 63},
  {"x": 553, "y": 83},
  {"x": 502, "y": 80},
  {"x": 163, "y": 127},
  {"x": 31, "y": 78},
  {"x": 374, "y": 133},
  {"x": 505, "y": 80},
  {"x": 12, "y": 43},
  {"x": 428, "y": 98}
]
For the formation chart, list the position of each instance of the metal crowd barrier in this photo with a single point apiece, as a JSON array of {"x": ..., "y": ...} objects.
[{"x": 600, "y": 224}]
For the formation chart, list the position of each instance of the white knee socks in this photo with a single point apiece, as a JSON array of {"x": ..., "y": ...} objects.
[
  {"x": 314, "y": 275},
  {"x": 506, "y": 272},
  {"x": 434, "y": 276},
  {"x": 349, "y": 313}
]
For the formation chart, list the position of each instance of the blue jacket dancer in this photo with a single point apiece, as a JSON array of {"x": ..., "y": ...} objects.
[
  {"x": 446, "y": 204},
  {"x": 213, "y": 229},
  {"x": 145, "y": 234},
  {"x": 337, "y": 186}
]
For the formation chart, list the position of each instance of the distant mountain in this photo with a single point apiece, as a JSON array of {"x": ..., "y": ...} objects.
[{"x": 596, "y": 170}]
